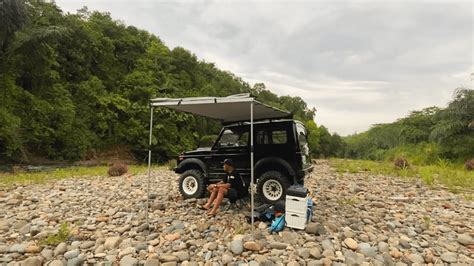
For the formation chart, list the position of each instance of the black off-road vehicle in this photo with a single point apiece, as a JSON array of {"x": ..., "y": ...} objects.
[{"x": 281, "y": 157}]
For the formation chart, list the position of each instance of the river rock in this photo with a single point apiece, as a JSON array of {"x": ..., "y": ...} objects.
[{"x": 236, "y": 247}]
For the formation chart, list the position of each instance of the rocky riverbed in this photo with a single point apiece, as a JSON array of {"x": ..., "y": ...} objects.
[{"x": 359, "y": 219}]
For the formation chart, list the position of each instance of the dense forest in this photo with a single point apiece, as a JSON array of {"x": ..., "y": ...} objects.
[{"x": 73, "y": 85}]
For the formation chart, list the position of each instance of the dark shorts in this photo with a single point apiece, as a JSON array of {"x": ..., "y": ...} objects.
[{"x": 233, "y": 195}]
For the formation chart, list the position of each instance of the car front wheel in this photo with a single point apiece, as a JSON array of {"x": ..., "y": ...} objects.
[
  {"x": 192, "y": 184},
  {"x": 271, "y": 186}
]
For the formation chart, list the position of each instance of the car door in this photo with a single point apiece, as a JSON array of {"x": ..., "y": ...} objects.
[
  {"x": 273, "y": 141},
  {"x": 233, "y": 143}
]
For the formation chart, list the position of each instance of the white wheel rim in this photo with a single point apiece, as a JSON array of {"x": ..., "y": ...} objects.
[
  {"x": 272, "y": 190},
  {"x": 190, "y": 185}
]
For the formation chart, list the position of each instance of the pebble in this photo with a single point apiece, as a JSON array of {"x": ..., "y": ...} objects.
[
  {"x": 182, "y": 255},
  {"x": 465, "y": 239},
  {"x": 112, "y": 242},
  {"x": 72, "y": 254},
  {"x": 416, "y": 258},
  {"x": 359, "y": 219},
  {"x": 168, "y": 258},
  {"x": 60, "y": 249},
  {"x": 449, "y": 257},
  {"x": 315, "y": 253},
  {"x": 56, "y": 263},
  {"x": 351, "y": 243},
  {"x": 128, "y": 261},
  {"x": 152, "y": 262},
  {"x": 33, "y": 261},
  {"x": 236, "y": 246},
  {"x": 367, "y": 250},
  {"x": 278, "y": 245},
  {"x": 251, "y": 245}
]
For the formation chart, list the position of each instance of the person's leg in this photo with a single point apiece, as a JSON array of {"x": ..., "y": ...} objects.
[
  {"x": 211, "y": 198},
  {"x": 218, "y": 200}
]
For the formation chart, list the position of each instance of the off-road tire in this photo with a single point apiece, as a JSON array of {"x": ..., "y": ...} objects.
[
  {"x": 271, "y": 177},
  {"x": 192, "y": 177}
]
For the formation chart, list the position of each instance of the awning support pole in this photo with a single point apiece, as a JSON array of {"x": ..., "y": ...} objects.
[
  {"x": 149, "y": 169},
  {"x": 251, "y": 166}
]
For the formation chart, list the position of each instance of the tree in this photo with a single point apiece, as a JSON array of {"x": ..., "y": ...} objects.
[{"x": 14, "y": 15}]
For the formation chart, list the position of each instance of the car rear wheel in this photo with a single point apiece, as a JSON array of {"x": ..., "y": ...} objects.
[
  {"x": 192, "y": 184},
  {"x": 271, "y": 186}
]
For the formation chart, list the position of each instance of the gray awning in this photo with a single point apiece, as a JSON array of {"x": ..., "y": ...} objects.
[{"x": 228, "y": 109}]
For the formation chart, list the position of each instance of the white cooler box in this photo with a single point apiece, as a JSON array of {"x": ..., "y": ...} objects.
[
  {"x": 295, "y": 220},
  {"x": 296, "y": 207}
]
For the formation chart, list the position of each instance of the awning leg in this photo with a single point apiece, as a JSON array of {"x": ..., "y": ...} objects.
[
  {"x": 251, "y": 167},
  {"x": 149, "y": 169}
]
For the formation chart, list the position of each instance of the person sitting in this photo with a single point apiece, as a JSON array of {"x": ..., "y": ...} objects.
[{"x": 232, "y": 186}]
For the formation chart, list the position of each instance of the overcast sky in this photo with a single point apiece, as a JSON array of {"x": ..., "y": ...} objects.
[{"x": 358, "y": 63}]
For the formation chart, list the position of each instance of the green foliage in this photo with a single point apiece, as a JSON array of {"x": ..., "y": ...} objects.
[
  {"x": 76, "y": 82},
  {"x": 55, "y": 239},
  {"x": 13, "y": 15},
  {"x": 423, "y": 136}
]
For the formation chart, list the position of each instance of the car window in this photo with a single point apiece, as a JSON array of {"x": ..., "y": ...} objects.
[
  {"x": 301, "y": 135},
  {"x": 275, "y": 136},
  {"x": 233, "y": 138},
  {"x": 279, "y": 137},
  {"x": 262, "y": 137}
]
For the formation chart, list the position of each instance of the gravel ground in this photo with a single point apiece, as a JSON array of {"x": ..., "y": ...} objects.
[{"x": 359, "y": 219}]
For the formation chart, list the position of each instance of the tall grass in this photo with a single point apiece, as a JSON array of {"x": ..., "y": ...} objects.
[{"x": 451, "y": 175}]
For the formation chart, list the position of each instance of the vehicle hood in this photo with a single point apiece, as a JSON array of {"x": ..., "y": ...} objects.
[{"x": 198, "y": 151}]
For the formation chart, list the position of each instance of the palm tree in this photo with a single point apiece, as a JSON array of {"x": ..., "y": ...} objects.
[{"x": 457, "y": 118}]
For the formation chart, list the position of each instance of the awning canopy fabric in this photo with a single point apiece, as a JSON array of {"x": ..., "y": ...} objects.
[{"x": 232, "y": 108}]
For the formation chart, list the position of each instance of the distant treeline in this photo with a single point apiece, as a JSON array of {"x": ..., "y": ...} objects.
[
  {"x": 422, "y": 137},
  {"x": 74, "y": 84}
]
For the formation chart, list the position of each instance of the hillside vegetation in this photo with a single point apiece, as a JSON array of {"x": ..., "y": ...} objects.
[{"x": 75, "y": 84}]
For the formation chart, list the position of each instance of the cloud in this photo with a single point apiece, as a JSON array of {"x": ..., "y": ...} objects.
[{"x": 359, "y": 63}]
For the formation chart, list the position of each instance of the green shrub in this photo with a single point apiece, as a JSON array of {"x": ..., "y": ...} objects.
[{"x": 55, "y": 239}]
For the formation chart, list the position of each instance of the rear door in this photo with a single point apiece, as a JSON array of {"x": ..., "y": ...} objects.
[{"x": 273, "y": 140}]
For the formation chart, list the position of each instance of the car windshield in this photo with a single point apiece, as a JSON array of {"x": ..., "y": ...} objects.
[{"x": 233, "y": 138}]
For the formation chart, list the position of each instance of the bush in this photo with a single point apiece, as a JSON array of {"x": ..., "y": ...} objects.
[
  {"x": 401, "y": 163},
  {"x": 117, "y": 169},
  {"x": 469, "y": 165}
]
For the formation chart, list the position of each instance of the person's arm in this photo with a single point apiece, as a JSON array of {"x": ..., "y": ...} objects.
[{"x": 226, "y": 185}]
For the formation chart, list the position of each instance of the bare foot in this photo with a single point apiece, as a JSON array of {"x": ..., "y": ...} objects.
[{"x": 205, "y": 207}]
